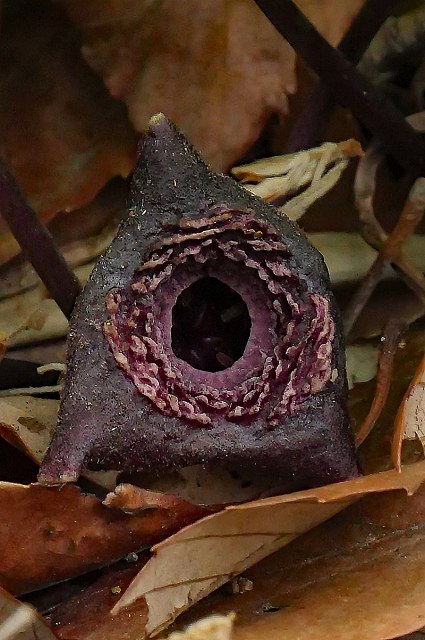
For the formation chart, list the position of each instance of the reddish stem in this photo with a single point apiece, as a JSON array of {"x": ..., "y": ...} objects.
[{"x": 383, "y": 380}]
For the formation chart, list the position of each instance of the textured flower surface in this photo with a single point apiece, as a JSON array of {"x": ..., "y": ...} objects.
[
  {"x": 269, "y": 344},
  {"x": 206, "y": 335}
]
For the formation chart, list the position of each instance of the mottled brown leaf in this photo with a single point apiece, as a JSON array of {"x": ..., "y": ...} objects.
[
  {"x": 219, "y": 82},
  {"x": 61, "y": 134},
  {"x": 51, "y": 534}
]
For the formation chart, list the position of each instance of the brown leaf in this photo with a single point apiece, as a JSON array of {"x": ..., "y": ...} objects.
[
  {"x": 232, "y": 540},
  {"x": 87, "y": 616},
  {"x": 51, "y": 534},
  {"x": 68, "y": 137},
  {"x": 21, "y": 621},
  {"x": 219, "y": 83}
]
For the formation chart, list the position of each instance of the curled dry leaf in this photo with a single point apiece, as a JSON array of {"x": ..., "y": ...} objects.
[
  {"x": 132, "y": 499},
  {"x": 137, "y": 49},
  {"x": 61, "y": 533},
  {"x": 410, "y": 420},
  {"x": 68, "y": 138},
  {"x": 18, "y": 620},
  {"x": 209, "y": 485},
  {"x": 28, "y": 423},
  {"x": 229, "y": 542},
  {"x": 315, "y": 170}
]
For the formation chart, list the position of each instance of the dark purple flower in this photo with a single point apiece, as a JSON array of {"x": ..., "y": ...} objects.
[{"x": 206, "y": 335}]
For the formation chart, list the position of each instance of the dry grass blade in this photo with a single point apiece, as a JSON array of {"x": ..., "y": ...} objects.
[
  {"x": 21, "y": 621},
  {"x": 227, "y": 543},
  {"x": 315, "y": 171},
  {"x": 389, "y": 347},
  {"x": 409, "y": 219}
]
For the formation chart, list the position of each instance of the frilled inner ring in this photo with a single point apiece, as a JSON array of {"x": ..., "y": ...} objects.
[
  {"x": 210, "y": 325},
  {"x": 282, "y": 357}
]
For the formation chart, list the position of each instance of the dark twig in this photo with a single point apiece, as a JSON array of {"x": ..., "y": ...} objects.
[
  {"x": 409, "y": 219},
  {"x": 347, "y": 86},
  {"x": 308, "y": 128},
  {"x": 37, "y": 244},
  {"x": 371, "y": 229},
  {"x": 390, "y": 341}
]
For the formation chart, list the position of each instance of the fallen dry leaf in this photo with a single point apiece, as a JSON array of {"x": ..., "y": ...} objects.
[
  {"x": 359, "y": 576},
  {"x": 86, "y": 616},
  {"x": 51, "y": 534},
  {"x": 410, "y": 420},
  {"x": 20, "y": 621},
  {"x": 68, "y": 137},
  {"x": 229, "y": 50},
  {"x": 227, "y": 543}
]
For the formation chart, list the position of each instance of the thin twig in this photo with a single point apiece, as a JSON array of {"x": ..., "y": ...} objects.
[
  {"x": 390, "y": 342},
  {"x": 409, "y": 219},
  {"x": 308, "y": 128},
  {"x": 347, "y": 86},
  {"x": 37, "y": 244}
]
